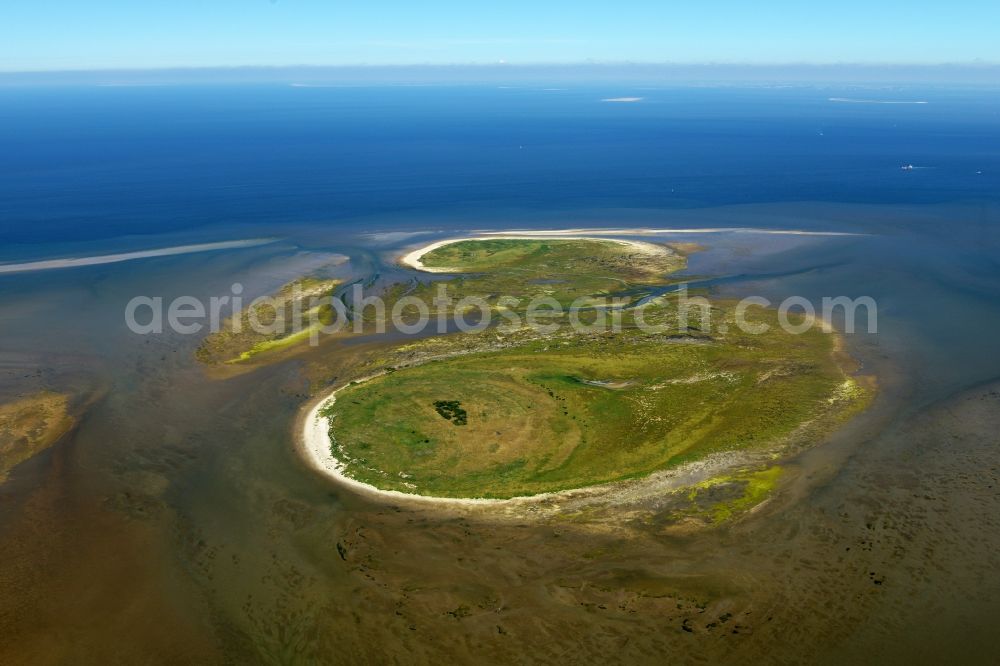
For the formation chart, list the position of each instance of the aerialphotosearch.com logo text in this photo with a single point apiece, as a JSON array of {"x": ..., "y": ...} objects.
[{"x": 299, "y": 312}]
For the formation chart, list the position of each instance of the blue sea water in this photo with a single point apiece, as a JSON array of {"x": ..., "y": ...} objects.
[{"x": 91, "y": 163}]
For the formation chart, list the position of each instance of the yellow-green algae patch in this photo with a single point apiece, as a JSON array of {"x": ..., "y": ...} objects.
[
  {"x": 281, "y": 322},
  {"x": 752, "y": 487},
  {"x": 30, "y": 425}
]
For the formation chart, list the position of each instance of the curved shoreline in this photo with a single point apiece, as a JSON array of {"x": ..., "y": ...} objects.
[
  {"x": 315, "y": 446},
  {"x": 412, "y": 259},
  {"x": 648, "y": 231}
]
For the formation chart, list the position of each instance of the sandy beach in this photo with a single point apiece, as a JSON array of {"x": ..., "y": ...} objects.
[{"x": 645, "y": 231}]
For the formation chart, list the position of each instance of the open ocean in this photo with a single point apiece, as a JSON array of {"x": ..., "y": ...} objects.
[{"x": 89, "y": 163}]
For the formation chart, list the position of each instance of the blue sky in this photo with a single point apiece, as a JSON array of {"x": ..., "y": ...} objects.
[{"x": 96, "y": 34}]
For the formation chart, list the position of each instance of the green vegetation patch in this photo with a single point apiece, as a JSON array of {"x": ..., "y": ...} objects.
[
  {"x": 505, "y": 274},
  {"x": 562, "y": 269},
  {"x": 451, "y": 410},
  {"x": 578, "y": 410},
  {"x": 549, "y": 258}
]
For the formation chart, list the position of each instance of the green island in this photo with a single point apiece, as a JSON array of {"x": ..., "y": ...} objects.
[
  {"x": 31, "y": 424},
  {"x": 501, "y": 271},
  {"x": 513, "y": 412},
  {"x": 565, "y": 413}
]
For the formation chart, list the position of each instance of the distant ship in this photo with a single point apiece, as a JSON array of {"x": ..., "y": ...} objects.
[{"x": 907, "y": 167}]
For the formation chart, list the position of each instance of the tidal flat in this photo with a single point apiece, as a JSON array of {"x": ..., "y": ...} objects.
[{"x": 185, "y": 494}]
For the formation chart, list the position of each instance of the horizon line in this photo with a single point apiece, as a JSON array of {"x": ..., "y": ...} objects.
[{"x": 963, "y": 64}]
